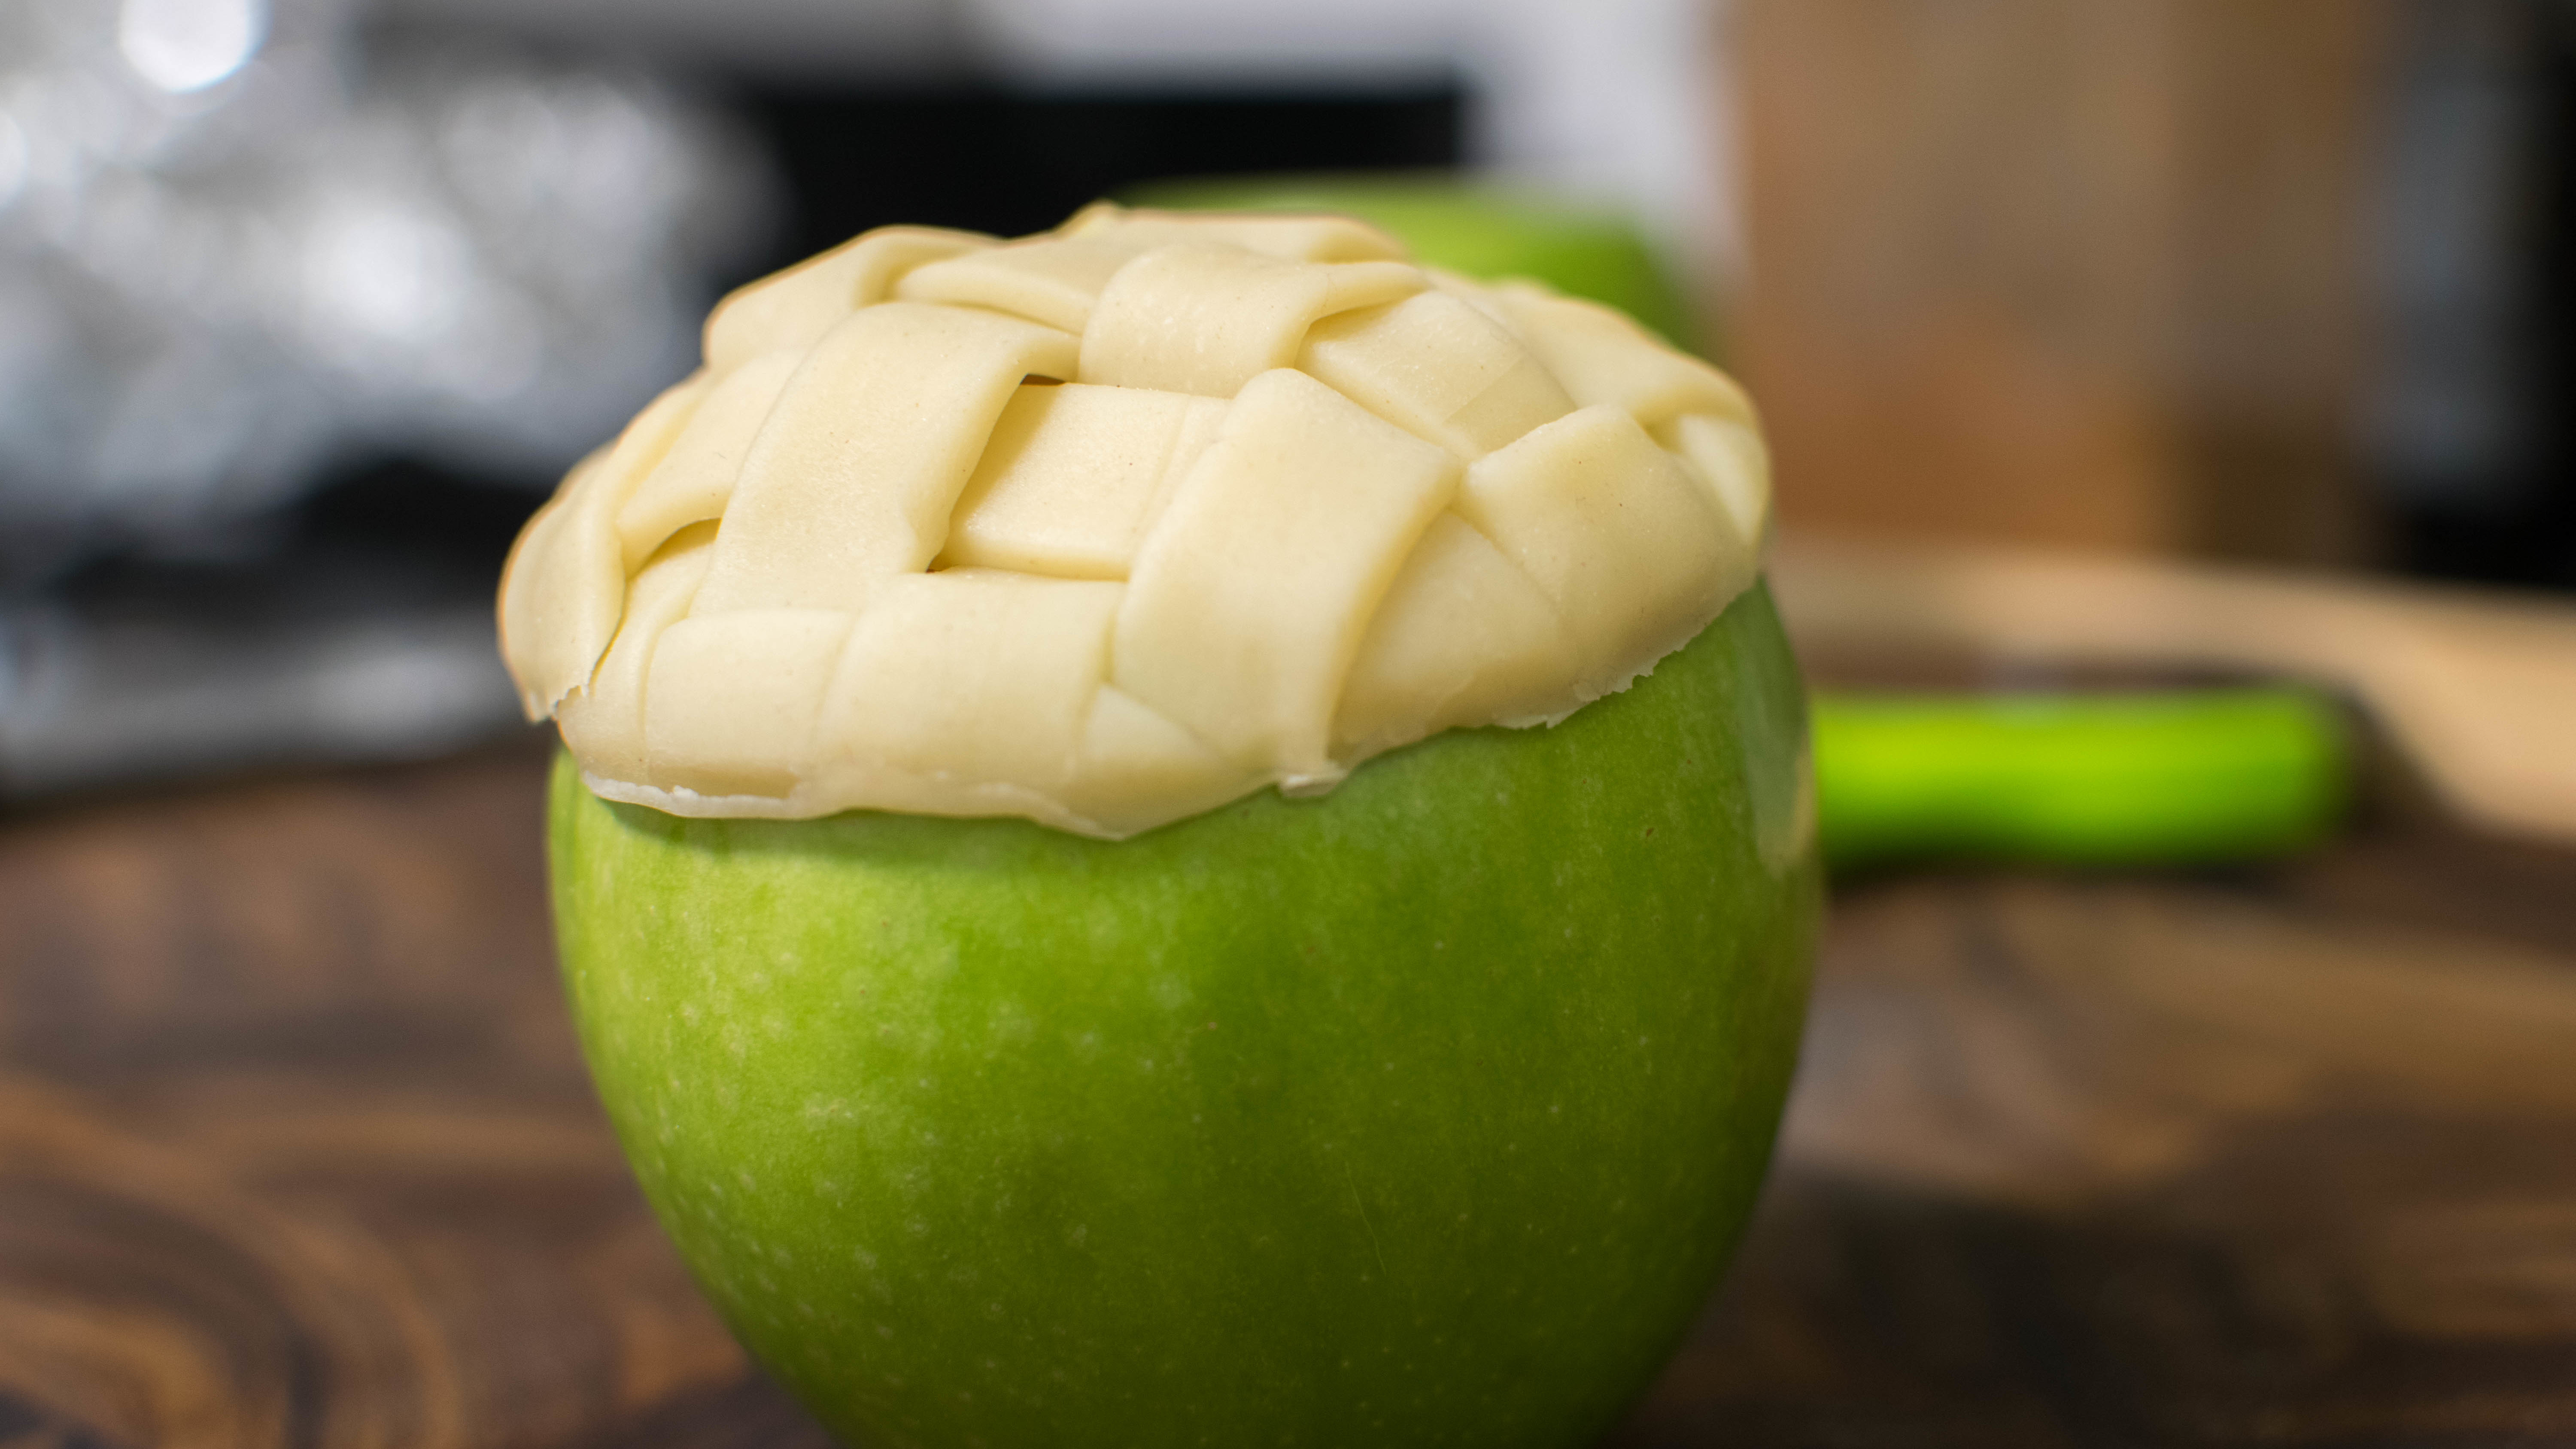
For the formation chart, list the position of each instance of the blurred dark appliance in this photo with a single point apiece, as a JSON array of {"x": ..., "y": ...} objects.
[{"x": 993, "y": 159}]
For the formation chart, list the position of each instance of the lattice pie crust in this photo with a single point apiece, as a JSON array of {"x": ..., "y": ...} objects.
[{"x": 1108, "y": 526}]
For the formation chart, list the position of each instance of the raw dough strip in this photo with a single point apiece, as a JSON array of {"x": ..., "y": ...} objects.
[
  {"x": 1729, "y": 457},
  {"x": 1602, "y": 357},
  {"x": 604, "y": 721},
  {"x": 1138, "y": 770},
  {"x": 1288, "y": 237},
  {"x": 730, "y": 701},
  {"x": 1630, "y": 549},
  {"x": 693, "y": 480},
  {"x": 794, "y": 308},
  {"x": 564, "y": 586},
  {"x": 853, "y": 477},
  {"x": 975, "y": 666},
  {"x": 1201, "y": 318},
  {"x": 1050, "y": 280},
  {"x": 1249, "y": 597},
  {"x": 1463, "y": 638},
  {"x": 1437, "y": 368},
  {"x": 1074, "y": 475}
]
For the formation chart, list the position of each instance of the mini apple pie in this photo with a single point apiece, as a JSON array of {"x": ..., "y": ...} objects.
[{"x": 1108, "y": 526}]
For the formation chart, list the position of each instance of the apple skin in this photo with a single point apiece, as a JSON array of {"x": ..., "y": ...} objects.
[{"x": 1424, "y": 1113}]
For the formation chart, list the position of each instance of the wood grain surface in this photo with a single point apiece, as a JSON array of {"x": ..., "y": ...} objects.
[{"x": 295, "y": 1150}]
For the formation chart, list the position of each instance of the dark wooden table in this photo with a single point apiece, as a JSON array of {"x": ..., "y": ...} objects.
[{"x": 295, "y": 1151}]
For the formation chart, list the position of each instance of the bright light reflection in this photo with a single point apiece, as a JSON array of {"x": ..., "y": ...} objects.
[
  {"x": 188, "y": 45},
  {"x": 379, "y": 271}
]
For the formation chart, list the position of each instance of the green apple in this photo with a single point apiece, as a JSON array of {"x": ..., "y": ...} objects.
[{"x": 1422, "y": 1113}]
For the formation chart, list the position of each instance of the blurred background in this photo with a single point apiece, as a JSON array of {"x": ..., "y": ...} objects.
[{"x": 305, "y": 304}]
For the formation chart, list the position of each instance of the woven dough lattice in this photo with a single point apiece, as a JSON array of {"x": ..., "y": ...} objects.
[{"x": 1108, "y": 526}]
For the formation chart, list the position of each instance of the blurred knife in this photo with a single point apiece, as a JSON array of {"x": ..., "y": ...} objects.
[{"x": 2478, "y": 689}]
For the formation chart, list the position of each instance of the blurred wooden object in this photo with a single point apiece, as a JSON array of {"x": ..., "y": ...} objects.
[
  {"x": 2478, "y": 689},
  {"x": 2079, "y": 272},
  {"x": 296, "y": 1149}
]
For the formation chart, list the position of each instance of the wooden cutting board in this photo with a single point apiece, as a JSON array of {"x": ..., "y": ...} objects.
[{"x": 295, "y": 1150}]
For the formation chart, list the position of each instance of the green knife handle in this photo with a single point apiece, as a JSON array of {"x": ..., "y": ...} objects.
[{"x": 2185, "y": 777}]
